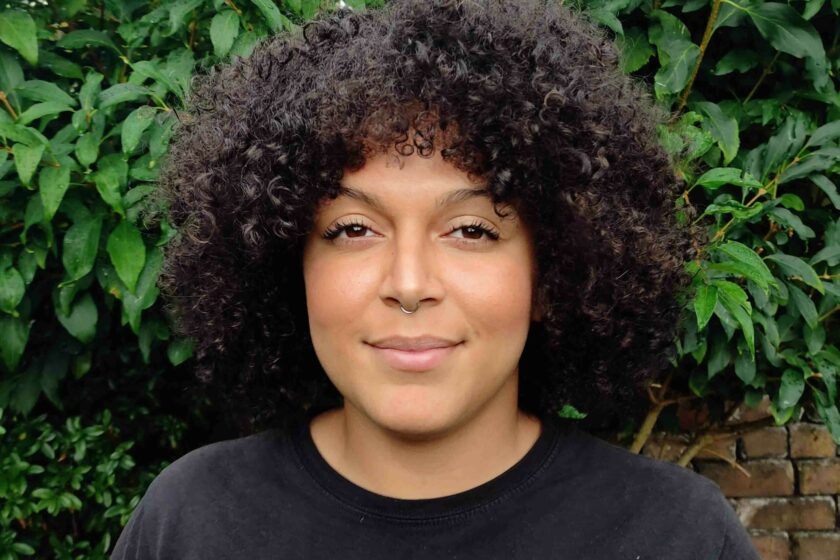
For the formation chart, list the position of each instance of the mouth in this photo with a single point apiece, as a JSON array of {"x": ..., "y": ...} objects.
[{"x": 414, "y": 360}]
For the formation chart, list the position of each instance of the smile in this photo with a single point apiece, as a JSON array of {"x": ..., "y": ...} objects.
[{"x": 414, "y": 360}]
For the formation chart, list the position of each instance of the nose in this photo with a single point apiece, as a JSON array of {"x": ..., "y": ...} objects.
[{"x": 412, "y": 272}]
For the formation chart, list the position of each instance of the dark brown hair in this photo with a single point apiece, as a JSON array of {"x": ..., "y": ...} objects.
[{"x": 534, "y": 103}]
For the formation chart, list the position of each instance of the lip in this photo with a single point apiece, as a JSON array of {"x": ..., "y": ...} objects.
[
  {"x": 425, "y": 342},
  {"x": 415, "y": 360}
]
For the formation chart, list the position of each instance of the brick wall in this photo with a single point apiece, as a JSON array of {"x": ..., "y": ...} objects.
[{"x": 783, "y": 482}]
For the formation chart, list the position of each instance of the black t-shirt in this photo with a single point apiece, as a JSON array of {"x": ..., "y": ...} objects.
[{"x": 572, "y": 496}]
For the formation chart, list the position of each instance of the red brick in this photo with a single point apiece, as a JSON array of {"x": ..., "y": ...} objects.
[
  {"x": 767, "y": 477},
  {"x": 771, "y": 545},
  {"x": 819, "y": 476},
  {"x": 766, "y": 442},
  {"x": 811, "y": 440},
  {"x": 813, "y": 513},
  {"x": 817, "y": 546}
]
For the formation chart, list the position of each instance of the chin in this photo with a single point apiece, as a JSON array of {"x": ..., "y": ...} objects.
[{"x": 414, "y": 418}]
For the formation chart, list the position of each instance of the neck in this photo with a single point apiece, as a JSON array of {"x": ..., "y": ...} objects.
[{"x": 389, "y": 464}]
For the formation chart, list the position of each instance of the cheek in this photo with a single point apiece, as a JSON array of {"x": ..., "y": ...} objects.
[
  {"x": 496, "y": 296},
  {"x": 336, "y": 295}
]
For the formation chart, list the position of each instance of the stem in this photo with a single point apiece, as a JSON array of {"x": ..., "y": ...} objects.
[
  {"x": 192, "y": 32},
  {"x": 704, "y": 43},
  {"x": 722, "y": 231},
  {"x": 764, "y": 74},
  {"x": 6, "y": 103},
  {"x": 647, "y": 427},
  {"x": 825, "y": 316},
  {"x": 726, "y": 432}
]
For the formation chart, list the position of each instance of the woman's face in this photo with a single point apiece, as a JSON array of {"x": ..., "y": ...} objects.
[{"x": 414, "y": 244}]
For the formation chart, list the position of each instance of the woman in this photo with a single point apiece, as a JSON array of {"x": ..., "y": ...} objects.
[{"x": 409, "y": 236}]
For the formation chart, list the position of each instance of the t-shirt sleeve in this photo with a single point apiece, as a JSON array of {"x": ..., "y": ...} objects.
[
  {"x": 737, "y": 544},
  {"x": 140, "y": 538}
]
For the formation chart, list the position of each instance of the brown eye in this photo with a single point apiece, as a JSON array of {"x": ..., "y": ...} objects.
[
  {"x": 475, "y": 231},
  {"x": 353, "y": 230}
]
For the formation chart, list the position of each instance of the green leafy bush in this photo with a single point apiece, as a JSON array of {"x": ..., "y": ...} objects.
[{"x": 94, "y": 397}]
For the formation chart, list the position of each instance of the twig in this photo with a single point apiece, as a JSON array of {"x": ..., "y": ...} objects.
[{"x": 704, "y": 43}]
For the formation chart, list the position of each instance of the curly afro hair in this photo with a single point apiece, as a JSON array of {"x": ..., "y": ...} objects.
[{"x": 533, "y": 102}]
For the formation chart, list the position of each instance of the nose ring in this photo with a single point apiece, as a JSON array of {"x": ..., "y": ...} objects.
[{"x": 404, "y": 310}]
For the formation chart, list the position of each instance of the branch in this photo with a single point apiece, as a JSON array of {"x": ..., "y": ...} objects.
[{"x": 704, "y": 43}]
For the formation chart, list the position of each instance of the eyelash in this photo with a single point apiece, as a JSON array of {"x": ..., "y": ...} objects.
[{"x": 332, "y": 233}]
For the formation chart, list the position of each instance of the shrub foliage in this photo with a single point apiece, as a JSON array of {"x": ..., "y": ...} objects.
[{"x": 94, "y": 385}]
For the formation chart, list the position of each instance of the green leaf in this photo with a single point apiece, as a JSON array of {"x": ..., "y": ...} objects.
[
  {"x": 786, "y": 30},
  {"x": 781, "y": 415},
  {"x": 794, "y": 266},
  {"x": 309, "y": 8},
  {"x": 52, "y": 184},
  {"x": 790, "y": 220},
  {"x": 12, "y": 289},
  {"x": 178, "y": 12},
  {"x": 86, "y": 38},
  {"x": 134, "y": 125},
  {"x": 806, "y": 166},
  {"x": 736, "y": 60},
  {"x": 244, "y": 44},
  {"x": 14, "y": 332},
  {"x": 814, "y": 338},
  {"x": 39, "y": 110},
  {"x": 128, "y": 253},
  {"x": 791, "y": 388},
  {"x": 40, "y": 90},
  {"x": 89, "y": 92},
  {"x": 17, "y": 29},
  {"x": 276, "y": 21},
  {"x": 110, "y": 178},
  {"x": 704, "y": 304},
  {"x": 830, "y": 254},
  {"x": 824, "y": 134},
  {"x": 718, "y": 357},
  {"x": 800, "y": 301},
  {"x": 755, "y": 268},
  {"x": 121, "y": 93},
  {"x": 23, "y": 134},
  {"x": 831, "y": 417},
  {"x": 27, "y": 160},
  {"x": 716, "y": 178},
  {"x": 735, "y": 208},
  {"x": 223, "y": 30},
  {"x": 147, "y": 291},
  {"x": 745, "y": 367},
  {"x": 724, "y": 129},
  {"x": 179, "y": 350},
  {"x": 792, "y": 201},
  {"x": 87, "y": 148},
  {"x": 569, "y": 411},
  {"x": 81, "y": 244},
  {"x": 734, "y": 299},
  {"x": 11, "y": 76},
  {"x": 81, "y": 322},
  {"x": 60, "y": 66}
]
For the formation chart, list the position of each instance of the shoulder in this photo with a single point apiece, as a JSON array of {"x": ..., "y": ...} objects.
[
  {"x": 646, "y": 496},
  {"x": 217, "y": 467},
  {"x": 613, "y": 465}
]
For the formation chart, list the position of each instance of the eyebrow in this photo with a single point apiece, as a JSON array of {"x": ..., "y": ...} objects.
[{"x": 452, "y": 197}]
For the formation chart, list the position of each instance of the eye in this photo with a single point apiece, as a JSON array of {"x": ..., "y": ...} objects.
[
  {"x": 356, "y": 229},
  {"x": 476, "y": 228},
  {"x": 352, "y": 227}
]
